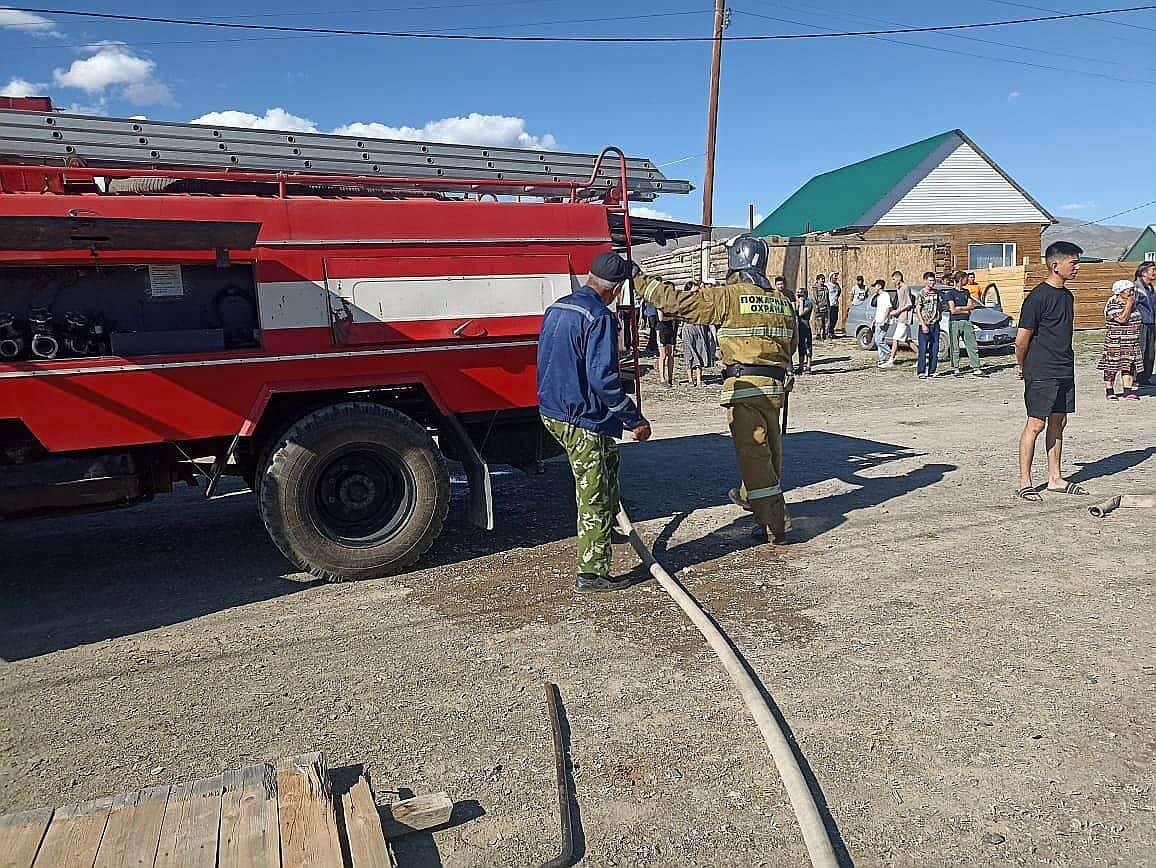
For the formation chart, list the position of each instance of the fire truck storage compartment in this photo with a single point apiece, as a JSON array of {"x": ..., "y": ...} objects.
[{"x": 49, "y": 312}]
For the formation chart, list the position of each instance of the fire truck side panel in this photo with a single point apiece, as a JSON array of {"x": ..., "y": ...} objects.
[
  {"x": 351, "y": 294},
  {"x": 155, "y": 400}
]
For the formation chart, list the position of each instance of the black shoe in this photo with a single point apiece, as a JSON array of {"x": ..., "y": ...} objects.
[
  {"x": 619, "y": 538},
  {"x": 589, "y": 583}
]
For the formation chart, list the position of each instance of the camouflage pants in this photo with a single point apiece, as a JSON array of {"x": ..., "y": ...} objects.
[{"x": 594, "y": 463}]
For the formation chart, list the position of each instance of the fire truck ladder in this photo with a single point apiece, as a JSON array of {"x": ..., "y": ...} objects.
[{"x": 118, "y": 144}]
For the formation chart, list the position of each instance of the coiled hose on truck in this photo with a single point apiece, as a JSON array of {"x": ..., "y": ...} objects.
[{"x": 819, "y": 846}]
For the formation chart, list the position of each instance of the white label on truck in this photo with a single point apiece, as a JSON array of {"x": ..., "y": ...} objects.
[{"x": 165, "y": 281}]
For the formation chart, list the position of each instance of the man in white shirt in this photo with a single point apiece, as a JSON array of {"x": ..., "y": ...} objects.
[
  {"x": 904, "y": 315},
  {"x": 834, "y": 295},
  {"x": 859, "y": 291},
  {"x": 882, "y": 302}
]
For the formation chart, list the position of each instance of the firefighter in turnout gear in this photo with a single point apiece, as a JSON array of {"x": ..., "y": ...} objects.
[{"x": 757, "y": 335}]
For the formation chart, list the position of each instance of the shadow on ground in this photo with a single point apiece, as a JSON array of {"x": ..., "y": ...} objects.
[{"x": 75, "y": 581}]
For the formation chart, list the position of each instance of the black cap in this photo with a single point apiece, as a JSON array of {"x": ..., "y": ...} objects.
[{"x": 611, "y": 267}]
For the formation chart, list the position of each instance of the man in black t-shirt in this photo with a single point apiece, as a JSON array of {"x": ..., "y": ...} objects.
[{"x": 1046, "y": 363}]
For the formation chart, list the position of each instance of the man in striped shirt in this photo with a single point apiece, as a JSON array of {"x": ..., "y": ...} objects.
[{"x": 758, "y": 335}]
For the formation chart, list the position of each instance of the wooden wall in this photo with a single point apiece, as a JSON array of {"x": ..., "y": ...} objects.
[
  {"x": 1026, "y": 237},
  {"x": 1011, "y": 282},
  {"x": 1091, "y": 287}
]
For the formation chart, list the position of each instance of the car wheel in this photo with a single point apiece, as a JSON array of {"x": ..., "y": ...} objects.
[{"x": 865, "y": 339}]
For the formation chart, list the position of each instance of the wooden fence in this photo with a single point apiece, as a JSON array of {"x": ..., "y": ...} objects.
[
  {"x": 1091, "y": 287},
  {"x": 1011, "y": 282}
]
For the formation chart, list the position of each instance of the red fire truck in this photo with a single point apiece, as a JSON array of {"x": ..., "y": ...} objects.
[{"x": 326, "y": 317}]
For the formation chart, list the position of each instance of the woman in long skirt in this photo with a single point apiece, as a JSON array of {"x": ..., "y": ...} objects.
[
  {"x": 1122, "y": 355},
  {"x": 699, "y": 348}
]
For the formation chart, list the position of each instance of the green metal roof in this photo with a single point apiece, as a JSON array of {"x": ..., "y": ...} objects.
[
  {"x": 838, "y": 199},
  {"x": 1146, "y": 243}
]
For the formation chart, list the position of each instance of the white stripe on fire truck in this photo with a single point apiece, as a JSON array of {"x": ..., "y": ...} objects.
[
  {"x": 306, "y": 303},
  {"x": 262, "y": 360}
]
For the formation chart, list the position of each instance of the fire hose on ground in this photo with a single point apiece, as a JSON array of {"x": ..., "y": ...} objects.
[
  {"x": 1123, "y": 501},
  {"x": 818, "y": 842}
]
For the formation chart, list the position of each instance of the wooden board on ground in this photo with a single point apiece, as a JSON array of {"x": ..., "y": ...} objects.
[
  {"x": 188, "y": 837},
  {"x": 133, "y": 829},
  {"x": 363, "y": 831},
  {"x": 263, "y": 816},
  {"x": 417, "y": 814},
  {"x": 307, "y": 818},
  {"x": 20, "y": 837},
  {"x": 73, "y": 836}
]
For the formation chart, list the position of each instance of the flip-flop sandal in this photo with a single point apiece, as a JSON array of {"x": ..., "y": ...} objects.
[
  {"x": 1030, "y": 494},
  {"x": 1070, "y": 488}
]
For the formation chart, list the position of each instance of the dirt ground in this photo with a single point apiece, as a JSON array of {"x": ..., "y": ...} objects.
[{"x": 969, "y": 679}]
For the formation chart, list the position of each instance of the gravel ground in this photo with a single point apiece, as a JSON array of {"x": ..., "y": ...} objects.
[{"x": 969, "y": 679}]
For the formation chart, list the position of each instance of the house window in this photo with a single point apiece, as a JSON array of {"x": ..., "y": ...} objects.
[
  {"x": 1150, "y": 256},
  {"x": 990, "y": 256}
]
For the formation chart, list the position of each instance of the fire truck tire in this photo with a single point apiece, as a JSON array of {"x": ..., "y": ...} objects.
[{"x": 353, "y": 491}]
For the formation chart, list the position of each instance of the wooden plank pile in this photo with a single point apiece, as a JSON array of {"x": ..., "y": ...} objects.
[{"x": 282, "y": 815}]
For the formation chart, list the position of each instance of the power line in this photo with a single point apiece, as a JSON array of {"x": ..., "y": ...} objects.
[
  {"x": 973, "y": 56},
  {"x": 386, "y": 9},
  {"x": 1127, "y": 24},
  {"x": 1111, "y": 216},
  {"x": 613, "y": 40},
  {"x": 440, "y": 30},
  {"x": 977, "y": 39}
]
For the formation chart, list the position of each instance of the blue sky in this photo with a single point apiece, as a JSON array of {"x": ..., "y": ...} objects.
[{"x": 1078, "y": 137}]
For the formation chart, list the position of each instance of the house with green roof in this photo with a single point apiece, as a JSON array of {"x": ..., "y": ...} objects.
[
  {"x": 944, "y": 189},
  {"x": 1143, "y": 249}
]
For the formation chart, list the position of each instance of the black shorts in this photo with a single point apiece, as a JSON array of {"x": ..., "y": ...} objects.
[
  {"x": 666, "y": 332},
  {"x": 1045, "y": 397}
]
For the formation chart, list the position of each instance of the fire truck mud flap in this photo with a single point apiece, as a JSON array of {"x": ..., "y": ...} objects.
[{"x": 481, "y": 502}]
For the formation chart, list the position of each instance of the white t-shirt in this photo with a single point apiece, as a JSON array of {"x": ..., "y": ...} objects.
[{"x": 882, "y": 307}]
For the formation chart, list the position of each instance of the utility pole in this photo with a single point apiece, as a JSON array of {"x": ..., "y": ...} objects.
[{"x": 720, "y": 22}]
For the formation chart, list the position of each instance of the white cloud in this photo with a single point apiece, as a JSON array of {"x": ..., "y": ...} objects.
[
  {"x": 114, "y": 65},
  {"x": 28, "y": 22},
  {"x": 1013, "y": 96},
  {"x": 499, "y": 131},
  {"x": 273, "y": 119},
  {"x": 21, "y": 87},
  {"x": 1077, "y": 206},
  {"x": 650, "y": 213},
  {"x": 147, "y": 93}
]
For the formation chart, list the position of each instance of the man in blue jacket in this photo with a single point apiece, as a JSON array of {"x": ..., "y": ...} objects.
[{"x": 584, "y": 407}]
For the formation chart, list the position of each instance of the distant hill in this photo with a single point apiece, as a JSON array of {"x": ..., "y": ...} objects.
[{"x": 1102, "y": 242}]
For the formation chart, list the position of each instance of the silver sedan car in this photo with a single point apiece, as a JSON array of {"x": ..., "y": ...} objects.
[{"x": 994, "y": 329}]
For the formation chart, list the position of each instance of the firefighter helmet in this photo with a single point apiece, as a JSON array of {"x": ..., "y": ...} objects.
[{"x": 748, "y": 255}]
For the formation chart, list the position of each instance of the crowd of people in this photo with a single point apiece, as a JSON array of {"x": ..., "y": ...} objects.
[
  {"x": 918, "y": 321},
  {"x": 903, "y": 320},
  {"x": 759, "y": 327}
]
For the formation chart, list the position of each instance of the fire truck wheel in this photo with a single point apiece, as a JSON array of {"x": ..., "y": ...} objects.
[{"x": 354, "y": 491}]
